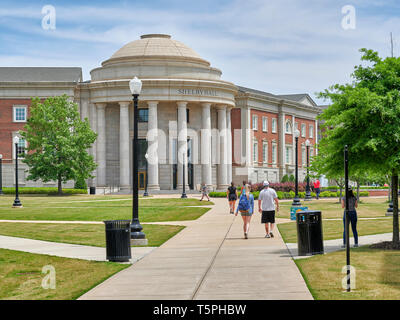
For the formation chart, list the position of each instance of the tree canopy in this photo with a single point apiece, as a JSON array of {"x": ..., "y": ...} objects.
[{"x": 58, "y": 141}]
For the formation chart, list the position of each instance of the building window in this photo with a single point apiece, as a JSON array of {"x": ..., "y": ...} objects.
[
  {"x": 311, "y": 131},
  {"x": 288, "y": 128},
  {"x": 20, "y": 113},
  {"x": 143, "y": 115},
  {"x": 255, "y": 151},
  {"x": 303, "y": 156},
  {"x": 265, "y": 152},
  {"x": 274, "y": 125},
  {"x": 255, "y": 122},
  {"x": 274, "y": 153},
  {"x": 264, "y": 124},
  {"x": 303, "y": 130},
  {"x": 288, "y": 155}
]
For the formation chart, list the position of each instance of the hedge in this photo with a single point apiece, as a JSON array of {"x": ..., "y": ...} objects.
[
  {"x": 290, "y": 195},
  {"x": 51, "y": 191}
]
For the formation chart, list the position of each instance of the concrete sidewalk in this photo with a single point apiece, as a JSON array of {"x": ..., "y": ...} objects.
[
  {"x": 65, "y": 250},
  {"x": 210, "y": 260}
]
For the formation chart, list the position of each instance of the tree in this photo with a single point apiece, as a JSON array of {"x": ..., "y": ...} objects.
[
  {"x": 365, "y": 115},
  {"x": 58, "y": 142}
]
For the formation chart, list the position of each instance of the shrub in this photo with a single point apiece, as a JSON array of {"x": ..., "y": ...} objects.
[
  {"x": 292, "y": 178},
  {"x": 43, "y": 191},
  {"x": 80, "y": 183},
  {"x": 285, "y": 178}
]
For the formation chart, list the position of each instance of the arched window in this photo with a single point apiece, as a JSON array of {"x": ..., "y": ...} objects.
[{"x": 288, "y": 127}]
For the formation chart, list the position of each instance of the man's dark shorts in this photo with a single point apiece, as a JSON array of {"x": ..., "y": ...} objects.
[{"x": 268, "y": 217}]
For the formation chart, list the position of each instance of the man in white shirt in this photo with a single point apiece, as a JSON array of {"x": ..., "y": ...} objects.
[{"x": 267, "y": 202}]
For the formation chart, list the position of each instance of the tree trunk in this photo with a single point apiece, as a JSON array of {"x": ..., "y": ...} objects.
[
  {"x": 395, "y": 199},
  {"x": 358, "y": 191},
  {"x": 59, "y": 186}
]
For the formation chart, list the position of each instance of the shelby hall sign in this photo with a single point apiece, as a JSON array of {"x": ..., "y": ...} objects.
[{"x": 198, "y": 92}]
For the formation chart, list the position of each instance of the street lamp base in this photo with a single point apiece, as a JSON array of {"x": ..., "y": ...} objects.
[
  {"x": 296, "y": 202},
  {"x": 17, "y": 206},
  {"x": 145, "y": 194},
  {"x": 17, "y": 203},
  {"x": 183, "y": 196},
  {"x": 308, "y": 197}
]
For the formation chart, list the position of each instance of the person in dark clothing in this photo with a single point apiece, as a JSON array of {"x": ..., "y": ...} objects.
[
  {"x": 232, "y": 196},
  {"x": 353, "y": 204}
]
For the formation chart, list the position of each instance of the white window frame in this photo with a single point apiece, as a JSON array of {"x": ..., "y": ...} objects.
[
  {"x": 13, "y": 146},
  {"x": 290, "y": 149},
  {"x": 255, "y": 122},
  {"x": 311, "y": 131},
  {"x": 265, "y": 154},
  {"x": 255, "y": 151},
  {"x": 265, "y": 124},
  {"x": 290, "y": 127},
  {"x": 303, "y": 156},
  {"x": 274, "y": 153},
  {"x": 15, "y": 107},
  {"x": 274, "y": 125},
  {"x": 303, "y": 130}
]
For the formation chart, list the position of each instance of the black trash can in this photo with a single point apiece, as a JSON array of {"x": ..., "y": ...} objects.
[
  {"x": 92, "y": 190},
  {"x": 118, "y": 240},
  {"x": 309, "y": 233}
]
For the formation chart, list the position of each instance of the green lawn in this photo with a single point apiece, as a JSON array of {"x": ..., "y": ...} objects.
[
  {"x": 99, "y": 208},
  {"x": 83, "y": 234},
  {"x": 333, "y": 229},
  {"x": 21, "y": 276},
  {"x": 330, "y": 208},
  {"x": 377, "y": 274}
]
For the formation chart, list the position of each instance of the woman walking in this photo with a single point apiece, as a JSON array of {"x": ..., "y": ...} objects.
[
  {"x": 204, "y": 192},
  {"x": 353, "y": 204},
  {"x": 232, "y": 196},
  {"x": 246, "y": 208}
]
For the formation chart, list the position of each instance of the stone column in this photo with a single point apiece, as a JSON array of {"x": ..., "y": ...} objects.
[
  {"x": 84, "y": 109},
  {"x": 152, "y": 138},
  {"x": 101, "y": 144},
  {"x": 182, "y": 143},
  {"x": 93, "y": 125},
  {"x": 222, "y": 166},
  {"x": 206, "y": 169},
  {"x": 229, "y": 144},
  {"x": 124, "y": 174}
]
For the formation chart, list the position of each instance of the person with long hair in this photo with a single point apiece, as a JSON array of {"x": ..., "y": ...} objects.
[
  {"x": 353, "y": 204},
  {"x": 246, "y": 208},
  {"x": 232, "y": 196}
]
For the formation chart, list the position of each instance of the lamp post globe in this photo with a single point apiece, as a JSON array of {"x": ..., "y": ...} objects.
[
  {"x": 296, "y": 200},
  {"x": 1, "y": 174},
  {"x": 137, "y": 236},
  {"x": 308, "y": 189},
  {"x": 17, "y": 203},
  {"x": 146, "y": 194}
]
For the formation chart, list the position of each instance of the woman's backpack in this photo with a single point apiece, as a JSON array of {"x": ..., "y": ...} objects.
[{"x": 244, "y": 203}]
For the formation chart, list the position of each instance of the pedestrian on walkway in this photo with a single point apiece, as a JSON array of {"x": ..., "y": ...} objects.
[
  {"x": 246, "y": 208},
  {"x": 204, "y": 192},
  {"x": 267, "y": 203},
  {"x": 317, "y": 186},
  {"x": 232, "y": 196},
  {"x": 353, "y": 204}
]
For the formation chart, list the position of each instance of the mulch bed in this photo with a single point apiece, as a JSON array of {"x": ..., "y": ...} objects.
[{"x": 386, "y": 245}]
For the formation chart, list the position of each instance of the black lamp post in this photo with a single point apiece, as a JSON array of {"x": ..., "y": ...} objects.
[
  {"x": 1, "y": 174},
  {"x": 308, "y": 191},
  {"x": 296, "y": 200},
  {"x": 146, "y": 194},
  {"x": 183, "y": 196},
  {"x": 347, "y": 220},
  {"x": 17, "y": 203},
  {"x": 137, "y": 235}
]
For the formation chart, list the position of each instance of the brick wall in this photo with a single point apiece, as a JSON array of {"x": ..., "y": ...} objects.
[{"x": 7, "y": 126}]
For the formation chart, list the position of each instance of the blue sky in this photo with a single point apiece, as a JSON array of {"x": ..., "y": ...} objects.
[{"x": 278, "y": 46}]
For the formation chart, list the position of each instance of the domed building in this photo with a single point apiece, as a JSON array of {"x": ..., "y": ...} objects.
[{"x": 187, "y": 115}]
